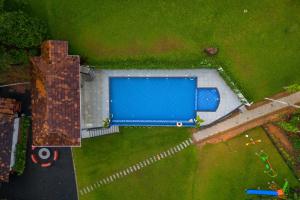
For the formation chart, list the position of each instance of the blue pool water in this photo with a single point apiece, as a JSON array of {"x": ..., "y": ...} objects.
[
  {"x": 141, "y": 101},
  {"x": 208, "y": 99}
]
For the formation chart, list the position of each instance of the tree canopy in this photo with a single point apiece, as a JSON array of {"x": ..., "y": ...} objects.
[{"x": 20, "y": 34}]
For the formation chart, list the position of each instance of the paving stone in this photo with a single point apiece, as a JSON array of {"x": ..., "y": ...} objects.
[{"x": 84, "y": 190}]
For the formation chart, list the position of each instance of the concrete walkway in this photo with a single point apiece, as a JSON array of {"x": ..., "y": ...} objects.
[{"x": 246, "y": 116}]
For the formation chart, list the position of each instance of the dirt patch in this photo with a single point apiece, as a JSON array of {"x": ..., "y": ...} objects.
[
  {"x": 136, "y": 48},
  {"x": 15, "y": 74},
  {"x": 280, "y": 135},
  {"x": 166, "y": 45}
]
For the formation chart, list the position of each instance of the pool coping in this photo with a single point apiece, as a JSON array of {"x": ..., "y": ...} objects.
[{"x": 95, "y": 94}]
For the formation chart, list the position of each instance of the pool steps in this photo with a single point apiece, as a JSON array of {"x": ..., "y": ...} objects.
[{"x": 94, "y": 132}]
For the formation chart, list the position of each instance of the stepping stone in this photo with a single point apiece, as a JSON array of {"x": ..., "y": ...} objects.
[
  {"x": 191, "y": 141},
  {"x": 187, "y": 142},
  {"x": 131, "y": 169},
  {"x": 148, "y": 162},
  {"x": 95, "y": 185},
  {"x": 81, "y": 192},
  {"x": 155, "y": 159},
  {"x": 141, "y": 164},
  {"x": 134, "y": 168},
  {"x": 87, "y": 188},
  {"x": 118, "y": 174},
  {"x": 84, "y": 191},
  {"x": 138, "y": 167},
  {"x": 144, "y": 163},
  {"x": 104, "y": 181},
  {"x": 128, "y": 171},
  {"x": 107, "y": 180},
  {"x": 111, "y": 178},
  {"x": 182, "y": 146},
  {"x": 114, "y": 176}
]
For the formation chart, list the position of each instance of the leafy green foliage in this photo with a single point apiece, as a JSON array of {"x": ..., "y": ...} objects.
[
  {"x": 293, "y": 88},
  {"x": 106, "y": 123},
  {"x": 18, "y": 30},
  {"x": 198, "y": 121},
  {"x": 291, "y": 125},
  {"x": 19, "y": 33},
  {"x": 287, "y": 126},
  {"x": 21, "y": 147}
]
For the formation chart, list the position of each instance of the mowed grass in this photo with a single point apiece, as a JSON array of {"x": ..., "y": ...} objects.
[
  {"x": 221, "y": 171},
  {"x": 258, "y": 47},
  {"x": 103, "y": 156},
  {"x": 226, "y": 169}
]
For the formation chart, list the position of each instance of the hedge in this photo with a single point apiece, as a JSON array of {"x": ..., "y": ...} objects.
[{"x": 21, "y": 147}]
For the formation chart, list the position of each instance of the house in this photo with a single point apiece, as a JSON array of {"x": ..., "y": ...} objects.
[
  {"x": 9, "y": 128},
  {"x": 55, "y": 96}
]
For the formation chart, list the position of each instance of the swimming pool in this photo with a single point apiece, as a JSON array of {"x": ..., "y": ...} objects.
[
  {"x": 208, "y": 99},
  {"x": 154, "y": 101}
]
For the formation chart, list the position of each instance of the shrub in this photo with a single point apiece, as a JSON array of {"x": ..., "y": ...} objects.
[
  {"x": 293, "y": 88},
  {"x": 198, "y": 121},
  {"x": 106, "y": 123},
  {"x": 287, "y": 126},
  {"x": 21, "y": 147},
  {"x": 19, "y": 30}
]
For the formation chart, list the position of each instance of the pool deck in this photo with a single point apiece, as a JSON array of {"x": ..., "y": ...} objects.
[{"x": 95, "y": 94}]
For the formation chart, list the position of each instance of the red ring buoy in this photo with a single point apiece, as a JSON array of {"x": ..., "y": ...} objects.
[
  {"x": 33, "y": 158},
  {"x": 55, "y": 155},
  {"x": 43, "y": 162},
  {"x": 48, "y": 164}
]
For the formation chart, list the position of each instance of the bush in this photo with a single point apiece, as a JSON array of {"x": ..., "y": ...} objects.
[
  {"x": 18, "y": 30},
  {"x": 293, "y": 88},
  {"x": 289, "y": 127},
  {"x": 17, "y": 56},
  {"x": 21, "y": 147}
]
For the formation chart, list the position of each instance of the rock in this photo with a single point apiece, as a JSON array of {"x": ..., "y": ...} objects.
[{"x": 211, "y": 51}]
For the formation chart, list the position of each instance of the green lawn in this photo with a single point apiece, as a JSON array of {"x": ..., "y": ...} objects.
[
  {"x": 102, "y": 156},
  {"x": 259, "y": 48},
  {"x": 221, "y": 171}
]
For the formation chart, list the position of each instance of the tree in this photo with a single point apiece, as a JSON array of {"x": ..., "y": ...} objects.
[
  {"x": 20, "y": 34},
  {"x": 18, "y": 30}
]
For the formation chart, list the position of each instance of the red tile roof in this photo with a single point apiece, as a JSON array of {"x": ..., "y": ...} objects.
[
  {"x": 55, "y": 96},
  {"x": 8, "y": 107}
]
